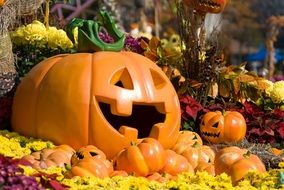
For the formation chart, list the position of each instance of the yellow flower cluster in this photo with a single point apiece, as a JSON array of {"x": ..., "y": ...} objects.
[
  {"x": 185, "y": 181},
  {"x": 268, "y": 180},
  {"x": 16, "y": 146},
  {"x": 37, "y": 34},
  {"x": 276, "y": 92},
  {"x": 29, "y": 171}
]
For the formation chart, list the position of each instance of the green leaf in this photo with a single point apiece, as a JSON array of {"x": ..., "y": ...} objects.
[
  {"x": 186, "y": 126},
  {"x": 280, "y": 179},
  {"x": 29, "y": 63}
]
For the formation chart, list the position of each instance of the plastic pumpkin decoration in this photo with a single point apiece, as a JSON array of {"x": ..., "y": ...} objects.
[
  {"x": 90, "y": 166},
  {"x": 160, "y": 177},
  {"x": 196, "y": 154},
  {"x": 237, "y": 162},
  {"x": 87, "y": 151},
  {"x": 118, "y": 173},
  {"x": 207, "y": 6},
  {"x": 188, "y": 137},
  {"x": 223, "y": 127},
  {"x": 58, "y": 156},
  {"x": 176, "y": 164},
  {"x": 106, "y": 99},
  {"x": 142, "y": 159}
]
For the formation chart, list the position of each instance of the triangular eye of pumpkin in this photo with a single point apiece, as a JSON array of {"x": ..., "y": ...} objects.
[
  {"x": 215, "y": 125},
  {"x": 122, "y": 79},
  {"x": 93, "y": 154},
  {"x": 158, "y": 80}
]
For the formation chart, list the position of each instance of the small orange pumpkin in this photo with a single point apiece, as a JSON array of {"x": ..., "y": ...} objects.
[
  {"x": 142, "y": 159},
  {"x": 196, "y": 154},
  {"x": 87, "y": 151},
  {"x": 208, "y": 6},
  {"x": 207, "y": 167},
  {"x": 189, "y": 137},
  {"x": 176, "y": 164},
  {"x": 160, "y": 177},
  {"x": 90, "y": 166},
  {"x": 118, "y": 173},
  {"x": 223, "y": 127},
  {"x": 237, "y": 162},
  {"x": 50, "y": 157}
]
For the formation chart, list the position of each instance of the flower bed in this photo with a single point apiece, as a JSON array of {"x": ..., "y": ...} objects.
[
  {"x": 238, "y": 90},
  {"x": 16, "y": 146}
]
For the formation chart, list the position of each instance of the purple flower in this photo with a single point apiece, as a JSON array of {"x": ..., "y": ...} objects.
[{"x": 133, "y": 44}]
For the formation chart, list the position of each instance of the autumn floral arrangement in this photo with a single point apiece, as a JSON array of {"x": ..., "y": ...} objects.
[
  {"x": 17, "y": 173},
  {"x": 34, "y": 42},
  {"x": 254, "y": 104}
]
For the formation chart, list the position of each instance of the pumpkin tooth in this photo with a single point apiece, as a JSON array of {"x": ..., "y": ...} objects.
[
  {"x": 128, "y": 132},
  {"x": 207, "y": 3},
  {"x": 157, "y": 130},
  {"x": 122, "y": 107},
  {"x": 211, "y": 134}
]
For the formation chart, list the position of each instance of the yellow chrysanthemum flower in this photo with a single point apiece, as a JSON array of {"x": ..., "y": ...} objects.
[
  {"x": 16, "y": 146},
  {"x": 58, "y": 39},
  {"x": 37, "y": 34},
  {"x": 12, "y": 148},
  {"x": 276, "y": 92},
  {"x": 38, "y": 145}
]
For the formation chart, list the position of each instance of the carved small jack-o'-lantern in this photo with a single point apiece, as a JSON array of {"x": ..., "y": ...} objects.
[
  {"x": 218, "y": 127},
  {"x": 107, "y": 99},
  {"x": 207, "y": 6}
]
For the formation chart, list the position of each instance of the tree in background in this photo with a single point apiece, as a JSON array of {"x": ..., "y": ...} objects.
[{"x": 246, "y": 22}]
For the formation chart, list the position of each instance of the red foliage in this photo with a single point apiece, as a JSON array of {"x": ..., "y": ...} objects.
[
  {"x": 49, "y": 181},
  {"x": 263, "y": 126},
  {"x": 189, "y": 107}
]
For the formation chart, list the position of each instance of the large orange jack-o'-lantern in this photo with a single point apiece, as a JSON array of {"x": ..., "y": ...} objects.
[
  {"x": 106, "y": 99},
  {"x": 207, "y": 6}
]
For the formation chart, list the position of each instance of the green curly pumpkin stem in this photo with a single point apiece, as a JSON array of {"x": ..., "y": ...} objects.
[{"x": 88, "y": 34}]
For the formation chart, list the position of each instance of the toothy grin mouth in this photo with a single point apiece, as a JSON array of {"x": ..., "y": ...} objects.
[
  {"x": 208, "y": 134},
  {"x": 143, "y": 117},
  {"x": 208, "y": 3}
]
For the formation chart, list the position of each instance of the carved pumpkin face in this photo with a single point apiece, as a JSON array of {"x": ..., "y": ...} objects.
[
  {"x": 106, "y": 99},
  {"x": 218, "y": 127},
  {"x": 207, "y": 6}
]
